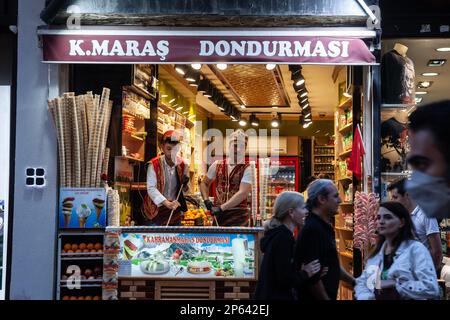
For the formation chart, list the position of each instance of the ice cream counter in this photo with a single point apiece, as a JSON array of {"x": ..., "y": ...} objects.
[{"x": 180, "y": 262}]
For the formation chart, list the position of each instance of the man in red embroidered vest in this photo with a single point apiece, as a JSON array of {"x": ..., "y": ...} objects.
[
  {"x": 166, "y": 174},
  {"x": 234, "y": 180}
]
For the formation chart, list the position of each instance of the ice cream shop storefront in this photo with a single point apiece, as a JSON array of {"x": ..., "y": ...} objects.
[{"x": 121, "y": 88}]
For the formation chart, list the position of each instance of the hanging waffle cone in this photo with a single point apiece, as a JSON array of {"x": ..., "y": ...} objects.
[
  {"x": 76, "y": 142},
  {"x": 103, "y": 139},
  {"x": 105, "y": 161},
  {"x": 80, "y": 107},
  {"x": 67, "y": 140},
  {"x": 90, "y": 107}
]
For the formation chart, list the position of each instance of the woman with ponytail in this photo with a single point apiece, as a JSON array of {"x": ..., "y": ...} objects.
[{"x": 277, "y": 276}]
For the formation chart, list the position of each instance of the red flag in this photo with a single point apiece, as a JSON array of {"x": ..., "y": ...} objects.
[{"x": 358, "y": 152}]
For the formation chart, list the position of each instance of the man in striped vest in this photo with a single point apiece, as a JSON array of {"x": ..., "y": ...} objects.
[
  {"x": 166, "y": 174},
  {"x": 233, "y": 178}
]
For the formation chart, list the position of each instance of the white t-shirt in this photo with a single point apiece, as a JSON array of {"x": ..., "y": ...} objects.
[
  {"x": 424, "y": 226},
  {"x": 246, "y": 178}
]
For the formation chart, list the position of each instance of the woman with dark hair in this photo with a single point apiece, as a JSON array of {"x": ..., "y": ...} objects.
[
  {"x": 400, "y": 267},
  {"x": 277, "y": 276}
]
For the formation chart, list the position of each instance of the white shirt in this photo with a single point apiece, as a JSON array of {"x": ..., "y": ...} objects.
[
  {"x": 424, "y": 226},
  {"x": 246, "y": 178},
  {"x": 170, "y": 192},
  {"x": 412, "y": 269}
]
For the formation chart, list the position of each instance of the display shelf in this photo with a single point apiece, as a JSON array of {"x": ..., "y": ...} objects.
[
  {"x": 346, "y": 204},
  {"x": 138, "y": 186},
  {"x": 322, "y": 171},
  {"x": 323, "y": 146},
  {"x": 346, "y": 254},
  {"x": 345, "y": 153},
  {"x": 65, "y": 258},
  {"x": 345, "y": 129},
  {"x": 81, "y": 255},
  {"x": 139, "y": 92},
  {"x": 131, "y": 158},
  {"x": 395, "y": 174},
  {"x": 345, "y": 104},
  {"x": 323, "y": 155},
  {"x": 140, "y": 117},
  {"x": 344, "y": 229}
]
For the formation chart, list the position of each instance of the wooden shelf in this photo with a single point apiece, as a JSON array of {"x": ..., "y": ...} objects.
[
  {"x": 139, "y": 92},
  {"x": 323, "y": 146},
  {"x": 139, "y": 186},
  {"x": 346, "y": 128},
  {"x": 140, "y": 117},
  {"x": 346, "y": 104},
  {"x": 346, "y": 254},
  {"x": 345, "y": 153},
  {"x": 346, "y": 204},
  {"x": 131, "y": 158},
  {"x": 132, "y": 136}
]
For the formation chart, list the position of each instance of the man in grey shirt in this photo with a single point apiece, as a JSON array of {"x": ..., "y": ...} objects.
[{"x": 427, "y": 229}]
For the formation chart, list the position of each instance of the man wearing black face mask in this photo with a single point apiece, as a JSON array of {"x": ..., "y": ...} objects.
[{"x": 429, "y": 136}]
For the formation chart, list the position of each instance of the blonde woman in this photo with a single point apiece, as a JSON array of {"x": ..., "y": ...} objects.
[{"x": 277, "y": 276}]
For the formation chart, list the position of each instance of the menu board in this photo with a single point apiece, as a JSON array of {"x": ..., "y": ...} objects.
[{"x": 187, "y": 255}]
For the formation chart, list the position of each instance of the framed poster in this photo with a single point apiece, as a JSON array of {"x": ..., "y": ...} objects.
[
  {"x": 4, "y": 182},
  {"x": 187, "y": 255},
  {"x": 82, "y": 208}
]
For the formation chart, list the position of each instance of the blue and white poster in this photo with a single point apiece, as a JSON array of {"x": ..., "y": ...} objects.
[
  {"x": 187, "y": 255},
  {"x": 82, "y": 208}
]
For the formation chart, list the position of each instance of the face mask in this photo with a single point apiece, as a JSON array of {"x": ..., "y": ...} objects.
[{"x": 432, "y": 194}]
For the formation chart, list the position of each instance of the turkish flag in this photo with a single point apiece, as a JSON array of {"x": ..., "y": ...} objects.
[{"x": 358, "y": 152}]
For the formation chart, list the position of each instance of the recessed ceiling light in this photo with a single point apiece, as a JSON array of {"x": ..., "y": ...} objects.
[
  {"x": 421, "y": 92},
  {"x": 443, "y": 49},
  {"x": 274, "y": 107},
  {"x": 308, "y": 115},
  {"x": 196, "y": 66},
  {"x": 179, "y": 108},
  {"x": 243, "y": 107},
  {"x": 304, "y": 94},
  {"x": 418, "y": 100},
  {"x": 222, "y": 66},
  {"x": 270, "y": 66},
  {"x": 172, "y": 100},
  {"x": 430, "y": 74},
  {"x": 164, "y": 95},
  {"x": 436, "y": 62},
  {"x": 186, "y": 112},
  {"x": 305, "y": 106},
  {"x": 424, "y": 84},
  {"x": 242, "y": 122}
]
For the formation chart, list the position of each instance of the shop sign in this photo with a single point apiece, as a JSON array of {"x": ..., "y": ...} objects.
[
  {"x": 187, "y": 255},
  {"x": 93, "y": 48}
]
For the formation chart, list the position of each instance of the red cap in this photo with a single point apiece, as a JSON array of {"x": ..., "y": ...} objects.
[{"x": 171, "y": 136}]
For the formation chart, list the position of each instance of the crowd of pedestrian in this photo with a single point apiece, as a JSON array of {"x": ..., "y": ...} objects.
[{"x": 407, "y": 257}]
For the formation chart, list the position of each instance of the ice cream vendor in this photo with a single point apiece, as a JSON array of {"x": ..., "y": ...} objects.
[
  {"x": 234, "y": 178},
  {"x": 166, "y": 174}
]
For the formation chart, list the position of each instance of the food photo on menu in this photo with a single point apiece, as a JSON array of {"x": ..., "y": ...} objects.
[{"x": 187, "y": 255}]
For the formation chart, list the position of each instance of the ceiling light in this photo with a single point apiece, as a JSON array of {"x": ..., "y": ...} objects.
[
  {"x": 243, "y": 122},
  {"x": 443, "y": 49},
  {"x": 304, "y": 100},
  {"x": 196, "y": 66},
  {"x": 299, "y": 81},
  {"x": 172, "y": 100},
  {"x": 186, "y": 112},
  {"x": 221, "y": 66},
  {"x": 305, "y": 106},
  {"x": 418, "y": 99},
  {"x": 181, "y": 69},
  {"x": 430, "y": 74},
  {"x": 308, "y": 115},
  {"x": 254, "y": 121},
  {"x": 179, "y": 108},
  {"x": 421, "y": 92},
  {"x": 164, "y": 95},
  {"x": 347, "y": 94},
  {"x": 243, "y": 107},
  {"x": 425, "y": 84},
  {"x": 274, "y": 107},
  {"x": 276, "y": 120},
  {"x": 436, "y": 62},
  {"x": 233, "y": 118},
  {"x": 161, "y": 109},
  {"x": 270, "y": 66},
  {"x": 191, "y": 116},
  {"x": 304, "y": 94},
  {"x": 308, "y": 120}
]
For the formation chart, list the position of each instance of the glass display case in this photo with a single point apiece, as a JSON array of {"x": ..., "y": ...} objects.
[{"x": 394, "y": 145}]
